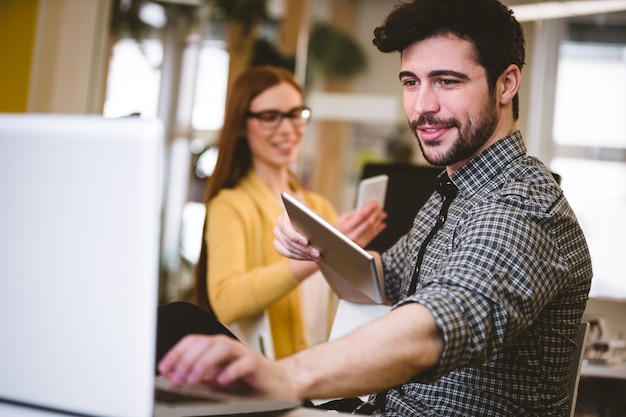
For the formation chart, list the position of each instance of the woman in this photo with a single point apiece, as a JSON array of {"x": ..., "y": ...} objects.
[{"x": 240, "y": 277}]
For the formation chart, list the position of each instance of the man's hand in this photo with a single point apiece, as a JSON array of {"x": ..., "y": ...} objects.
[
  {"x": 362, "y": 226},
  {"x": 225, "y": 363},
  {"x": 292, "y": 244}
]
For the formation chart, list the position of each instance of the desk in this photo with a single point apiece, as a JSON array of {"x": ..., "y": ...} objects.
[
  {"x": 603, "y": 371},
  {"x": 310, "y": 412},
  {"x": 15, "y": 411}
]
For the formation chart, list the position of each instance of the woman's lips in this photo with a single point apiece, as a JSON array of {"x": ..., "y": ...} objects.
[{"x": 284, "y": 148}]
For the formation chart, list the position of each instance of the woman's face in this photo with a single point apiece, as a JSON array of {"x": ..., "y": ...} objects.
[{"x": 274, "y": 138}]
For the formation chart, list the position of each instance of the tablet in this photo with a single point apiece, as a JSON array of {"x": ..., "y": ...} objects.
[
  {"x": 349, "y": 269},
  {"x": 372, "y": 188}
]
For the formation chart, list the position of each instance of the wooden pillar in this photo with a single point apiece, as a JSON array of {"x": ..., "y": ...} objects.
[
  {"x": 295, "y": 34},
  {"x": 239, "y": 45},
  {"x": 328, "y": 170},
  {"x": 290, "y": 27}
]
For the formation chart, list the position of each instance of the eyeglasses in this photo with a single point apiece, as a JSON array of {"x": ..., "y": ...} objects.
[{"x": 271, "y": 119}]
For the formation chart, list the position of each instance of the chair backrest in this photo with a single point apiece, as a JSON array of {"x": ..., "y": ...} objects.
[
  {"x": 408, "y": 189},
  {"x": 350, "y": 315},
  {"x": 577, "y": 362},
  {"x": 255, "y": 333}
]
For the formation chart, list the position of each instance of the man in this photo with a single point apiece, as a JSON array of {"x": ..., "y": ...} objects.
[{"x": 489, "y": 286}]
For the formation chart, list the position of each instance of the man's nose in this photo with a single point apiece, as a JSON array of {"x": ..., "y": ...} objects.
[{"x": 426, "y": 100}]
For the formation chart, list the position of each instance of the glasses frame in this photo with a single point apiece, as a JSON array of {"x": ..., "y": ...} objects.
[{"x": 298, "y": 116}]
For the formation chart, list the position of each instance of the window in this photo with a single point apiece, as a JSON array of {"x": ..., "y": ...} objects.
[
  {"x": 210, "y": 89},
  {"x": 590, "y": 153},
  {"x": 133, "y": 79}
]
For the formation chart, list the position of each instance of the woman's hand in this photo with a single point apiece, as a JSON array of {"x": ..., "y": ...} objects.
[
  {"x": 363, "y": 225},
  {"x": 359, "y": 225}
]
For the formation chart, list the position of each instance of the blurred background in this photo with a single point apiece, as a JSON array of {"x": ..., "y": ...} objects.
[{"x": 174, "y": 59}]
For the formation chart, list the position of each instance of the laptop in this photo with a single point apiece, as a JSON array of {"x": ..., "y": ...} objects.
[
  {"x": 79, "y": 255},
  {"x": 349, "y": 269}
]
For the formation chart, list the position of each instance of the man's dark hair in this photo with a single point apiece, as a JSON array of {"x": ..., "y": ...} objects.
[{"x": 497, "y": 37}]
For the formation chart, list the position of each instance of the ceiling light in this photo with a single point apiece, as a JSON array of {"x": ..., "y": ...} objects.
[
  {"x": 560, "y": 9},
  {"x": 152, "y": 14}
]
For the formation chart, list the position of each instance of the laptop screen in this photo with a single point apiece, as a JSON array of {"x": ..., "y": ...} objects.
[{"x": 79, "y": 247}]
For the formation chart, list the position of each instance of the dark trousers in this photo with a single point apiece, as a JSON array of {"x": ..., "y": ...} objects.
[{"x": 178, "y": 319}]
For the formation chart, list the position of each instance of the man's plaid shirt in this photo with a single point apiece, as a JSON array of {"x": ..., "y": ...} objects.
[{"x": 506, "y": 278}]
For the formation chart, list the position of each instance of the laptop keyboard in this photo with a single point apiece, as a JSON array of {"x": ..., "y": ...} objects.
[{"x": 169, "y": 397}]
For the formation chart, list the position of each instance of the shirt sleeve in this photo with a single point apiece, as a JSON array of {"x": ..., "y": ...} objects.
[{"x": 501, "y": 267}]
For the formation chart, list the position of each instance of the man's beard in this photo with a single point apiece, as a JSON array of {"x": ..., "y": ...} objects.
[{"x": 470, "y": 139}]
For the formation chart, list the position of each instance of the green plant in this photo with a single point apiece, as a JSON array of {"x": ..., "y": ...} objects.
[{"x": 334, "y": 53}]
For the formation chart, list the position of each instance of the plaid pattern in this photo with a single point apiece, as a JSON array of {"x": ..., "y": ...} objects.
[{"x": 506, "y": 278}]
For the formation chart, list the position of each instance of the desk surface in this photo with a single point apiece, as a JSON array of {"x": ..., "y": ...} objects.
[
  {"x": 604, "y": 371},
  {"x": 15, "y": 411},
  {"x": 310, "y": 412}
]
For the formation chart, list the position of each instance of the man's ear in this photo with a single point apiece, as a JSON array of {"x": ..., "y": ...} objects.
[{"x": 509, "y": 83}]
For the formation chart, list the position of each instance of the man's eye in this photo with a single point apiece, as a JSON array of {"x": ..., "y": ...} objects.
[{"x": 409, "y": 83}]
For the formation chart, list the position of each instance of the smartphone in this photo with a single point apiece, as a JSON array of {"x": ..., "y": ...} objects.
[{"x": 372, "y": 188}]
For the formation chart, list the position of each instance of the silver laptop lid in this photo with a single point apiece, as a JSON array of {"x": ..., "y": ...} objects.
[{"x": 79, "y": 233}]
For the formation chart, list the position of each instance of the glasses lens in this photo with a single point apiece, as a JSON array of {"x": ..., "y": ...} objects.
[
  {"x": 300, "y": 116},
  {"x": 269, "y": 119},
  {"x": 304, "y": 114}
]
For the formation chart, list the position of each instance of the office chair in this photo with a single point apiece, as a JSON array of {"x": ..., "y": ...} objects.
[
  {"x": 255, "y": 332},
  {"x": 574, "y": 378},
  {"x": 409, "y": 187}
]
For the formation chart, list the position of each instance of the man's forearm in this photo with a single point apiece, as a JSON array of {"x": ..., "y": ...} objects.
[{"x": 384, "y": 353}]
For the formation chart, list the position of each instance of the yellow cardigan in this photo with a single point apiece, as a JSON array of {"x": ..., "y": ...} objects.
[{"x": 246, "y": 276}]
